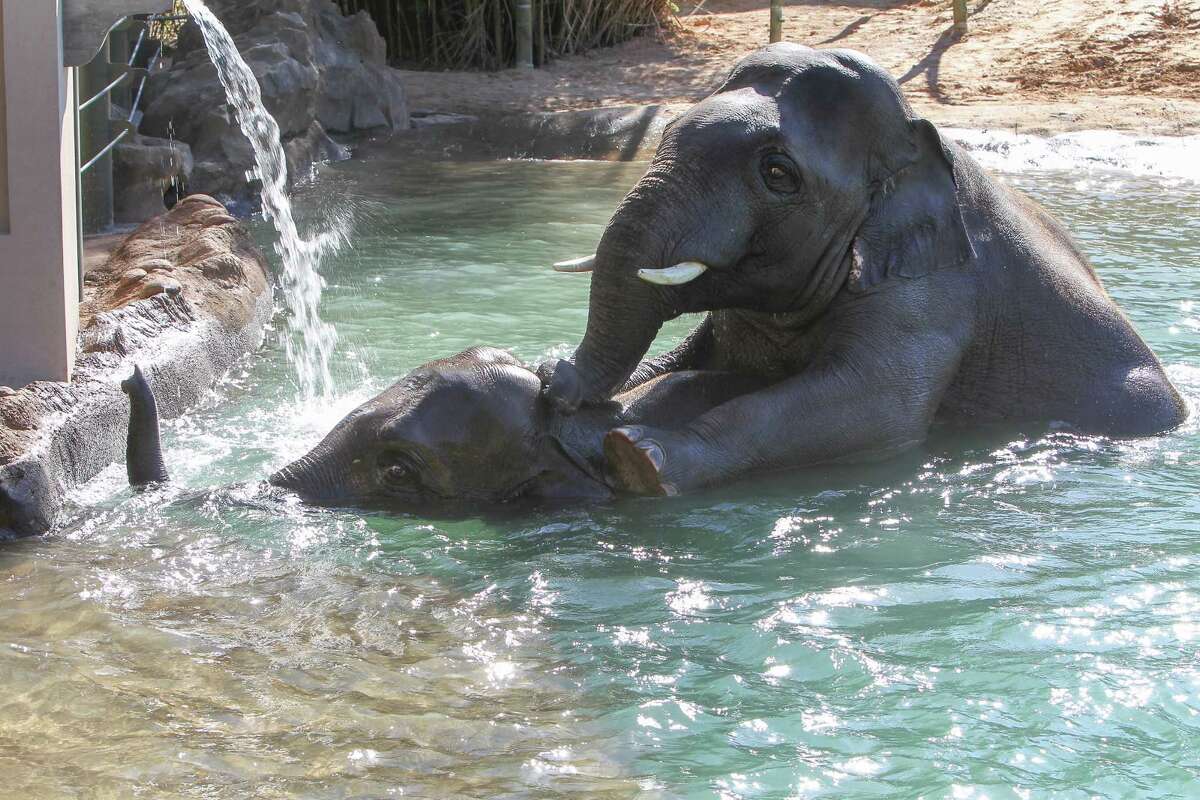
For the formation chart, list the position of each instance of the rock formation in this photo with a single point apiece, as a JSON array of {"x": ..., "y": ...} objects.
[
  {"x": 184, "y": 296},
  {"x": 320, "y": 72},
  {"x": 197, "y": 245},
  {"x": 143, "y": 170}
]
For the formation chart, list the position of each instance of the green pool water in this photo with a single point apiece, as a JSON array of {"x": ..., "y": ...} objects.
[{"x": 985, "y": 617}]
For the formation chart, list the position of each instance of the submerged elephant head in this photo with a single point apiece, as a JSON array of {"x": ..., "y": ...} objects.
[
  {"x": 804, "y": 174},
  {"x": 467, "y": 429}
]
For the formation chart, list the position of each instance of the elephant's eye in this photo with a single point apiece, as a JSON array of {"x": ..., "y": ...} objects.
[
  {"x": 396, "y": 470},
  {"x": 780, "y": 174}
]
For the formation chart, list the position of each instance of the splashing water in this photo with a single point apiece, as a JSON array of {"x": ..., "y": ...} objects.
[
  {"x": 312, "y": 341},
  {"x": 1168, "y": 157}
]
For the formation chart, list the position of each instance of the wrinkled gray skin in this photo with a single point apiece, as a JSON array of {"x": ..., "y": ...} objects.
[
  {"x": 473, "y": 430},
  {"x": 143, "y": 451},
  {"x": 468, "y": 431},
  {"x": 870, "y": 268}
]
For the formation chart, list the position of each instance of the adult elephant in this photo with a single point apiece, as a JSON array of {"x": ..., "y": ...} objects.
[{"x": 873, "y": 269}]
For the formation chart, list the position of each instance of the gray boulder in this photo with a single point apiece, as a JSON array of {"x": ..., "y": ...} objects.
[
  {"x": 320, "y": 72},
  {"x": 352, "y": 59},
  {"x": 142, "y": 172}
]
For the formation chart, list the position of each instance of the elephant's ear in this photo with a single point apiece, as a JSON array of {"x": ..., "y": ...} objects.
[{"x": 914, "y": 225}]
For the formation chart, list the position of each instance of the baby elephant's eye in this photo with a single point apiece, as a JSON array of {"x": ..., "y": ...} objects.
[
  {"x": 780, "y": 174},
  {"x": 396, "y": 470}
]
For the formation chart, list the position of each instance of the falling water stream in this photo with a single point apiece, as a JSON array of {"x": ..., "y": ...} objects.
[{"x": 312, "y": 340}]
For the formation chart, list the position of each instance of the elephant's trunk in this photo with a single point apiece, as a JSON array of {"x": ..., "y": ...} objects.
[
  {"x": 623, "y": 319},
  {"x": 318, "y": 475},
  {"x": 625, "y": 311},
  {"x": 143, "y": 449}
]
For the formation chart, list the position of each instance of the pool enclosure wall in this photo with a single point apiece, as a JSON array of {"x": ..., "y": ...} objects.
[{"x": 41, "y": 42}]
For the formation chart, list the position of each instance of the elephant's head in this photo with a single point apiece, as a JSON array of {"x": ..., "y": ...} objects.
[
  {"x": 466, "y": 429},
  {"x": 805, "y": 174}
]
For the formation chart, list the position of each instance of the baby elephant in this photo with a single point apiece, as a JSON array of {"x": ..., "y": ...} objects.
[{"x": 471, "y": 429}]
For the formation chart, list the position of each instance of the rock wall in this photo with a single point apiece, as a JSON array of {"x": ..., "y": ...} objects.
[
  {"x": 184, "y": 296},
  {"x": 143, "y": 170},
  {"x": 320, "y": 72}
]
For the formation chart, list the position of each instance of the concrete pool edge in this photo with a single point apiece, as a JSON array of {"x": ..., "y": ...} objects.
[{"x": 212, "y": 309}]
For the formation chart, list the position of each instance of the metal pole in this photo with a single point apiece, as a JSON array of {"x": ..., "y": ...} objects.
[
  {"x": 524, "y": 20},
  {"x": 119, "y": 53},
  {"x": 776, "y": 21},
  {"x": 95, "y": 132},
  {"x": 79, "y": 259}
]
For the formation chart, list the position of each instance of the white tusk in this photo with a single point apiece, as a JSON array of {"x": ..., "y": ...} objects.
[
  {"x": 583, "y": 264},
  {"x": 677, "y": 275}
]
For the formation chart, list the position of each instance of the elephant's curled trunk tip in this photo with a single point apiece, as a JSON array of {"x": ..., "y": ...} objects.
[{"x": 143, "y": 449}]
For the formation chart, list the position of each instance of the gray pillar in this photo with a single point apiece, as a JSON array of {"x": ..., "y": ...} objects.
[
  {"x": 39, "y": 255},
  {"x": 524, "y": 20}
]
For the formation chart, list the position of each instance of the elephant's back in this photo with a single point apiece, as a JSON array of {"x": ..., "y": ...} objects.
[
  {"x": 1048, "y": 342},
  {"x": 1013, "y": 234}
]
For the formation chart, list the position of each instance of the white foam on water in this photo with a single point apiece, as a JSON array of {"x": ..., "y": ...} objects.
[
  {"x": 311, "y": 344},
  {"x": 1170, "y": 157}
]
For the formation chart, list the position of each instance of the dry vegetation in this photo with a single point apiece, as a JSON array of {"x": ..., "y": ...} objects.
[
  {"x": 167, "y": 30},
  {"x": 481, "y": 34},
  {"x": 1174, "y": 14}
]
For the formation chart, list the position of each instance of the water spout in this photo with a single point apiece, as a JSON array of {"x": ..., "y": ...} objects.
[{"x": 311, "y": 343}]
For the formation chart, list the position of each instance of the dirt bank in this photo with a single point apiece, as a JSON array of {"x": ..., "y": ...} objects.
[{"x": 1029, "y": 65}]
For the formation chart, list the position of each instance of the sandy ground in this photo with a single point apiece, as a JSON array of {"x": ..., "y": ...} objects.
[{"x": 1025, "y": 65}]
